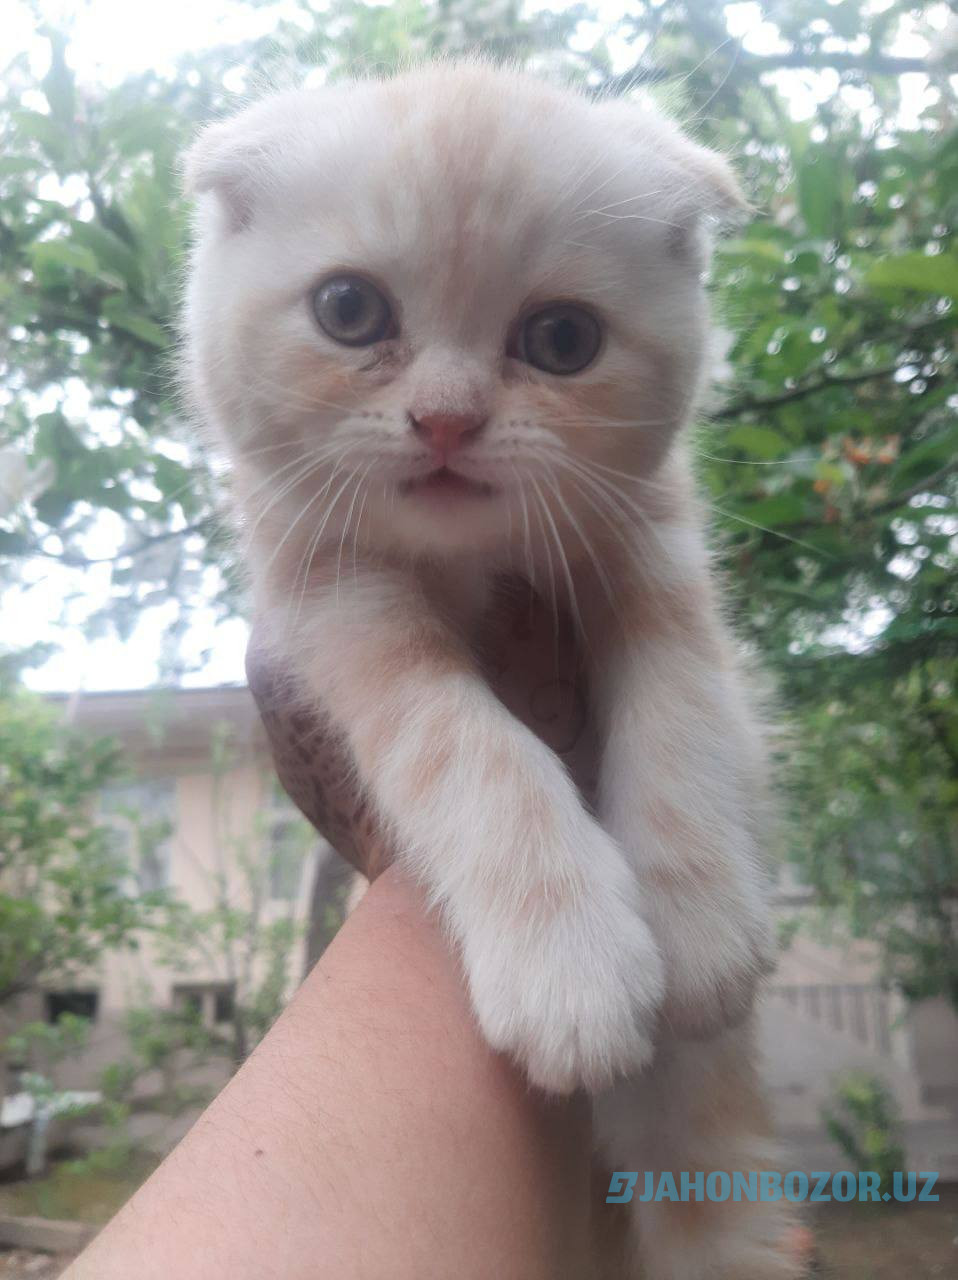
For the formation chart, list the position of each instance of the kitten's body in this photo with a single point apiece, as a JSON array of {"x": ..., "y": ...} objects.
[{"x": 593, "y": 946}]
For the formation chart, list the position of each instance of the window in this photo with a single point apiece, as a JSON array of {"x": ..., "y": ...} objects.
[
  {"x": 211, "y": 1003},
  {"x": 224, "y": 1005},
  {"x": 82, "y": 1004},
  {"x": 285, "y": 857},
  {"x": 289, "y": 841},
  {"x": 140, "y": 815}
]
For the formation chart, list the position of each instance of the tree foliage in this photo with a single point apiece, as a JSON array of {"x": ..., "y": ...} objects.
[
  {"x": 830, "y": 459},
  {"x": 62, "y": 898},
  {"x": 244, "y": 926}
]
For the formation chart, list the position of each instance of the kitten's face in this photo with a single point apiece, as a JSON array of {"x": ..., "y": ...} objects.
[{"x": 441, "y": 312}]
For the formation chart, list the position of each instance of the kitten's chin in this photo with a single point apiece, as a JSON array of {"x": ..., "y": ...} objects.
[{"x": 445, "y": 514}]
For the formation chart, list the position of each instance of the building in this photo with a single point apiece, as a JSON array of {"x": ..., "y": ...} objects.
[{"x": 200, "y": 775}]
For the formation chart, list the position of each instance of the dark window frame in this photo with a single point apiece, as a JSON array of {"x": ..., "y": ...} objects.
[{"x": 83, "y": 1003}]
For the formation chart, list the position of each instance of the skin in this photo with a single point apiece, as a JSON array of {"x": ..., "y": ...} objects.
[{"x": 372, "y": 1133}]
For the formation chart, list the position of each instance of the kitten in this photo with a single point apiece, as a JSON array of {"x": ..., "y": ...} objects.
[{"x": 453, "y": 323}]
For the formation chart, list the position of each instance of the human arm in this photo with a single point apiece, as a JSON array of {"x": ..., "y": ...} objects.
[{"x": 371, "y": 1133}]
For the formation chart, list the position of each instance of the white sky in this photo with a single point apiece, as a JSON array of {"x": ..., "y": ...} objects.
[{"x": 111, "y": 39}]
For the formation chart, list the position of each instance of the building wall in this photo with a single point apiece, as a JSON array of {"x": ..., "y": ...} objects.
[{"x": 218, "y": 820}]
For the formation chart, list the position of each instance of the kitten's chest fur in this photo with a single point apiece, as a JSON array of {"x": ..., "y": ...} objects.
[{"x": 532, "y": 655}]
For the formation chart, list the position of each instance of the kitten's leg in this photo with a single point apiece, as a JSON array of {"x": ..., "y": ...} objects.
[
  {"x": 698, "y": 1110},
  {"x": 562, "y": 970},
  {"x": 680, "y": 790}
]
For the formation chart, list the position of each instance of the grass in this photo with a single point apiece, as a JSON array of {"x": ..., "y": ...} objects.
[
  {"x": 83, "y": 1191},
  {"x": 889, "y": 1242}
]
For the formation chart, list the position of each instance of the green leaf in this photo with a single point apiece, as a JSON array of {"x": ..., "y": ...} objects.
[
  {"x": 819, "y": 192},
  {"x": 40, "y": 128},
  {"x": 112, "y": 254},
  {"x": 61, "y": 253},
  {"x": 750, "y": 247},
  {"x": 10, "y": 165},
  {"x": 926, "y": 273},
  {"x": 782, "y": 510},
  {"x": 832, "y": 473},
  {"x": 53, "y": 506},
  {"x": 141, "y": 129},
  {"x": 56, "y": 439},
  {"x": 121, "y": 315},
  {"x": 929, "y": 455},
  {"x": 760, "y": 442}
]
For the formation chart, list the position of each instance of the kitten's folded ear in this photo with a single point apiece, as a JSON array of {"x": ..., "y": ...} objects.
[
  {"x": 222, "y": 161},
  {"x": 694, "y": 183},
  {"x": 234, "y": 159},
  {"x": 705, "y": 183}
]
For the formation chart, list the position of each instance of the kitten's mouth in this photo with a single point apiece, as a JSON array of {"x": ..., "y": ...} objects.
[{"x": 444, "y": 483}]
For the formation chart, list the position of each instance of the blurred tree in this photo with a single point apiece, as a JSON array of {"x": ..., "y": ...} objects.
[
  {"x": 830, "y": 462},
  {"x": 833, "y": 461},
  {"x": 245, "y": 926},
  {"x": 38, "y": 1049},
  {"x": 863, "y": 1122},
  {"x": 62, "y": 886}
]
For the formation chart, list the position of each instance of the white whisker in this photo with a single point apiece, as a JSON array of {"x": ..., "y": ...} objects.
[
  {"x": 527, "y": 534},
  {"x": 553, "y": 592},
  {"x": 313, "y": 546},
  {"x": 587, "y": 545},
  {"x": 316, "y": 497},
  {"x": 346, "y": 522}
]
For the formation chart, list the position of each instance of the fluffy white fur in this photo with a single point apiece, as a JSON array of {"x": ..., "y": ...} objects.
[{"x": 470, "y": 196}]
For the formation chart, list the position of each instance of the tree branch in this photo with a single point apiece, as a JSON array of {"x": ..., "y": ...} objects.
[
  {"x": 755, "y": 404},
  {"x": 111, "y": 218},
  {"x": 923, "y": 486},
  {"x": 75, "y": 560},
  {"x": 868, "y": 64},
  {"x": 872, "y": 64},
  {"x": 936, "y": 722}
]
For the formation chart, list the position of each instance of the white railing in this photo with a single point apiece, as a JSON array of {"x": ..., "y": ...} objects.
[{"x": 862, "y": 1012}]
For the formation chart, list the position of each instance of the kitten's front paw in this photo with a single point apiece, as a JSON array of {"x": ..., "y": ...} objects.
[
  {"x": 714, "y": 960},
  {"x": 570, "y": 989}
]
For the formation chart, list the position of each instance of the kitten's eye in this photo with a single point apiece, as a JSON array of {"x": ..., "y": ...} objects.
[
  {"x": 352, "y": 311},
  {"x": 559, "y": 339}
]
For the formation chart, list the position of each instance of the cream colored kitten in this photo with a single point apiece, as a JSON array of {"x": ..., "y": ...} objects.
[{"x": 448, "y": 324}]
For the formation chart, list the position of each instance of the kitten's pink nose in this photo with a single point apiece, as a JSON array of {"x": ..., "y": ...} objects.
[{"x": 447, "y": 432}]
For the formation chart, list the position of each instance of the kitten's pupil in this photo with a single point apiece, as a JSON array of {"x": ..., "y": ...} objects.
[
  {"x": 565, "y": 338},
  {"x": 349, "y": 305}
]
